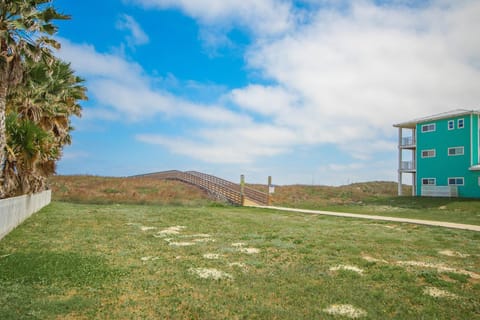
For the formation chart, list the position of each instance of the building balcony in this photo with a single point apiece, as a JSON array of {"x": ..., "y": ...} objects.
[
  {"x": 408, "y": 142},
  {"x": 407, "y": 166}
]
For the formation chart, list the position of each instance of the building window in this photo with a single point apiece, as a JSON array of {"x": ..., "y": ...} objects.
[
  {"x": 456, "y": 181},
  {"x": 460, "y": 123},
  {"x": 429, "y": 181},
  {"x": 455, "y": 151},
  {"x": 451, "y": 124},
  {"x": 428, "y": 127},
  {"x": 428, "y": 153}
]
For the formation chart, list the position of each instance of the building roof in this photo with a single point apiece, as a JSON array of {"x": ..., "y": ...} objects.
[{"x": 443, "y": 115}]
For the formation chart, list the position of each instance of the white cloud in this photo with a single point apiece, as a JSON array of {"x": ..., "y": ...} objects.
[
  {"x": 123, "y": 87},
  {"x": 358, "y": 72},
  {"x": 95, "y": 65},
  {"x": 343, "y": 78},
  {"x": 265, "y": 100},
  {"x": 242, "y": 143},
  {"x": 137, "y": 35},
  {"x": 266, "y": 17}
]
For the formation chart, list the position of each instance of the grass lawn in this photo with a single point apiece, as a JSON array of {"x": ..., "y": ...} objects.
[
  {"x": 456, "y": 210},
  {"x": 83, "y": 261}
]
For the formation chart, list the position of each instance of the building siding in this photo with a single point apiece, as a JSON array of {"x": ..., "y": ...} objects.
[{"x": 443, "y": 166}]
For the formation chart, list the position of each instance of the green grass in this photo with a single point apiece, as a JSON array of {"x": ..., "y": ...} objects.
[
  {"x": 77, "y": 261},
  {"x": 456, "y": 210}
]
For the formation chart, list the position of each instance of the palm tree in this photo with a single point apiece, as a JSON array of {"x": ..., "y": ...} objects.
[
  {"x": 27, "y": 146},
  {"x": 45, "y": 100},
  {"x": 26, "y": 31}
]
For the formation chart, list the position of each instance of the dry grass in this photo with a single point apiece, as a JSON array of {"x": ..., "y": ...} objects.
[
  {"x": 376, "y": 198},
  {"x": 302, "y": 195},
  {"x": 94, "y": 189}
]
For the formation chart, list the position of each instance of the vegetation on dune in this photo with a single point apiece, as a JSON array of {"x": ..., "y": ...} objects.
[
  {"x": 376, "y": 198},
  {"x": 38, "y": 95},
  {"x": 88, "y": 189},
  {"x": 315, "y": 196},
  {"x": 94, "y": 189}
]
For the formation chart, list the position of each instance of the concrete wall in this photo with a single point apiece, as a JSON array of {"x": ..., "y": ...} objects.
[{"x": 13, "y": 211}]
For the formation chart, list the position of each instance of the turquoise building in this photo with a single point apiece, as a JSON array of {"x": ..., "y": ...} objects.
[{"x": 441, "y": 153}]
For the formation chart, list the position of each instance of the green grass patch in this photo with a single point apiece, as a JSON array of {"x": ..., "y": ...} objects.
[
  {"x": 465, "y": 211},
  {"x": 111, "y": 191},
  {"x": 147, "y": 262},
  {"x": 147, "y": 190}
]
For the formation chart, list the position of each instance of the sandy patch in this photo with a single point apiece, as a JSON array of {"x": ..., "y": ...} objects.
[
  {"x": 181, "y": 244},
  {"x": 392, "y": 227},
  {"x": 439, "y": 267},
  {"x": 204, "y": 240},
  {"x": 197, "y": 235},
  {"x": 170, "y": 231},
  {"x": 439, "y": 293},
  {"x": 385, "y": 208},
  {"x": 5, "y": 255},
  {"x": 450, "y": 253},
  {"x": 149, "y": 258},
  {"x": 345, "y": 310},
  {"x": 238, "y": 244},
  {"x": 145, "y": 228},
  {"x": 372, "y": 259},
  {"x": 213, "y": 274},
  {"x": 212, "y": 256},
  {"x": 249, "y": 250},
  {"x": 348, "y": 268}
]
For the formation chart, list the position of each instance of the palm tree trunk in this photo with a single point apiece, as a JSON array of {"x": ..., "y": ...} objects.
[{"x": 3, "y": 136}]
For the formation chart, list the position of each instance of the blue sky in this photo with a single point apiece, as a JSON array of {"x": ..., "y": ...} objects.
[{"x": 306, "y": 91}]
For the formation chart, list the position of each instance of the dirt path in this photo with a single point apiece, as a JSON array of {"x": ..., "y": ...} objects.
[{"x": 382, "y": 218}]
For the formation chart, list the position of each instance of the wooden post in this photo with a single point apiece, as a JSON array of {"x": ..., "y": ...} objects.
[
  {"x": 242, "y": 190},
  {"x": 269, "y": 197}
]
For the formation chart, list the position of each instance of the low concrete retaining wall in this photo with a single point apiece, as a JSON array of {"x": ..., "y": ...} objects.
[{"x": 13, "y": 211}]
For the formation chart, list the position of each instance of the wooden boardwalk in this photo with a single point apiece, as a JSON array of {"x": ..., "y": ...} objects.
[{"x": 220, "y": 188}]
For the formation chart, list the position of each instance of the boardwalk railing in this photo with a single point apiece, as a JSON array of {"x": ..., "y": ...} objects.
[{"x": 219, "y": 187}]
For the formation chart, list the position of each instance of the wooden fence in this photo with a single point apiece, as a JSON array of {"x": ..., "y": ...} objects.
[{"x": 232, "y": 192}]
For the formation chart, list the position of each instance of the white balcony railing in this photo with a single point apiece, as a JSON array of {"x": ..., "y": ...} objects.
[
  {"x": 439, "y": 191},
  {"x": 407, "y": 165},
  {"x": 408, "y": 141}
]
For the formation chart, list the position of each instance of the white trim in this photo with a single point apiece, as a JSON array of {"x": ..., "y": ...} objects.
[
  {"x": 428, "y": 182},
  {"x": 471, "y": 140},
  {"x": 452, "y": 122},
  {"x": 440, "y": 116},
  {"x": 430, "y": 127},
  {"x": 429, "y": 156},
  {"x": 455, "y": 184},
  {"x": 456, "y": 154}
]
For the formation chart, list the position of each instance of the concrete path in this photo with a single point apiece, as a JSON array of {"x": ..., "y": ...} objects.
[{"x": 382, "y": 218}]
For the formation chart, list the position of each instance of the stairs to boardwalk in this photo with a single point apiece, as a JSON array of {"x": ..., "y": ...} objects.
[{"x": 232, "y": 192}]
